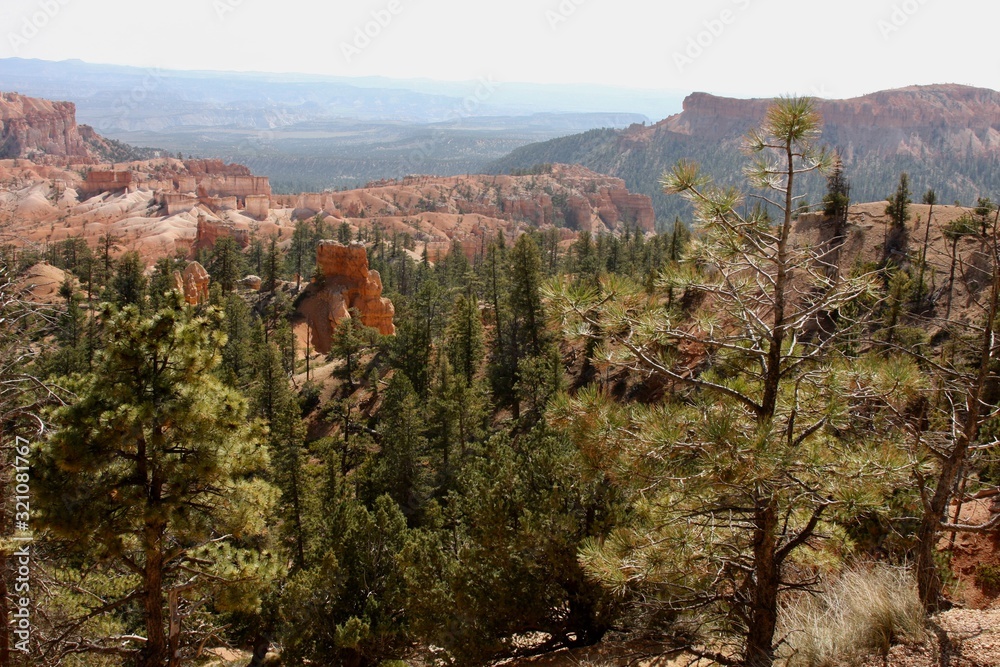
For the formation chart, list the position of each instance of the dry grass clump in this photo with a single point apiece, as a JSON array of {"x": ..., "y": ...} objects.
[{"x": 864, "y": 611}]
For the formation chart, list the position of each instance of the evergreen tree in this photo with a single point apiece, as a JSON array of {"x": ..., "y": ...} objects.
[
  {"x": 745, "y": 466},
  {"x": 227, "y": 265},
  {"x": 464, "y": 338},
  {"x": 930, "y": 199},
  {"x": 898, "y": 208},
  {"x": 347, "y": 342},
  {"x": 241, "y": 328},
  {"x": 349, "y": 609},
  {"x": 344, "y": 233},
  {"x": 838, "y": 195},
  {"x": 276, "y": 403},
  {"x": 957, "y": 229},
  {"x": 301, "y": 256},
  {"x": 161, "y": 283},
  {"x": 154, "y": 470},
  {"x": 400, "y": 469},
  {"x": 897, "y": 235},
  {"x": 71, "y": 355},
  {"x": 272, "y": 267},
  {"x": 128, "y": 288},
  {"x": 522, "y": 333},
  {"x": 509, "y": 564}
]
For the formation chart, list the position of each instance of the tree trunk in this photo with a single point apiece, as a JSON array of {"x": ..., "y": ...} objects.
[
  {"x": 935, "y": 511},
  {"x": 951, "y": 277},
  {"x": 174, "y": 637},
  {"x": 154, "y": 654},
  {"x": 923, "y": 259},
  {"x": 763, "y": 614}
]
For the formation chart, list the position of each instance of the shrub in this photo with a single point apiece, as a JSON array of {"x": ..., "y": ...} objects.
[
  {"x": 865, "y": 610},
  {"x": 988, "y": 578}
]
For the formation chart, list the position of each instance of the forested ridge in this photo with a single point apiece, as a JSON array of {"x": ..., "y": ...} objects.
[
  {"x": 698, "y": 439},
  {"x": 939, "y": 135}
]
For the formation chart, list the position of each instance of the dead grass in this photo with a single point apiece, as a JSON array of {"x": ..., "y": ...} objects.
[{"x": 865, "y": 610}]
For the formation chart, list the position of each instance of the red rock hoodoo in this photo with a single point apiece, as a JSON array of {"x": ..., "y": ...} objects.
[
  {"x": 193, "y": 283},
  {"x": 347, "y": 284}
]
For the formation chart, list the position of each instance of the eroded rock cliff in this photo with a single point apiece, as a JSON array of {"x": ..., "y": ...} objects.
[
  {"x": 346, "y": 284},
  {"x": 31, "y": 127}
]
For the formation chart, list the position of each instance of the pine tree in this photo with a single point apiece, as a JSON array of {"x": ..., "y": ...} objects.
[
  {"x": 400, "y": 470},
  {"x": 349, "y": 609},
  {"x": 161, "y": 283},
  {"x": 272, "y": 267},
  {"x": 301, "y": 256},
  {"x": 522, "y": 332},
  {"x": 347, "y": 342},
  {"x": 70, "y": 356},
  {"x": 155, "y": 469},
  {"x": 240, "y": 327},
  {"x": 129, "y": 284},
  {"x": 752, "y": 454},
  {"x": 510, "y": 564},
  {"x": 464, "y": 338},
  {"x": 898, "y": 210},
  {"x": 930, "y": 198},
  {"x": 227, "y": 265},
  {"x": 276, "y": 403},
  {"x": 837, "y": 200}
]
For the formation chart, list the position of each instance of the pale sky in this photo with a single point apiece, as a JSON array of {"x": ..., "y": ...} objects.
[{"x": 731, "y": 47}]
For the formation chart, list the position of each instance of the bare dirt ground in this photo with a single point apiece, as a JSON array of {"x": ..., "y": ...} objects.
[{"x": 956, "y": 638}]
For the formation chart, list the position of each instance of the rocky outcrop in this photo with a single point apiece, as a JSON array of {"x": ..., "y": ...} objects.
[
  {"x": 945, "y": 136},
  {"x": 258, "y": 206},
  {"x": 193, "y": 283},
  {"x": 346, "y": 285},
  {"x": 210, "y": 231},
  {"x": 905, "y": 121},
  {"x": 31, "y": 127},
  {"x": 106, "y": 181}
]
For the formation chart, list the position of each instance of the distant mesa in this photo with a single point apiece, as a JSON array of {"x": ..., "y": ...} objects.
[
  {"x": 945, "y": 136},
  {"x": 911, "y": 121}
]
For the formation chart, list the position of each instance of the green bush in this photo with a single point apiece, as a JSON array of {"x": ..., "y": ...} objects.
[{"x": 988, "y": 578}]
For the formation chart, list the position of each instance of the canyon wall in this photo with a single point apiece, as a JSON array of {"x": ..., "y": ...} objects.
[{"x": 31, "y": 127}]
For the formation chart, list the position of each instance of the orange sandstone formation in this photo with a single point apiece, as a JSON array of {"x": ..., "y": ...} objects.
[
  {"x": 193, "y": 283},
  {"x": 31, "y": 127},
  {"x": 347, "y": 284}
]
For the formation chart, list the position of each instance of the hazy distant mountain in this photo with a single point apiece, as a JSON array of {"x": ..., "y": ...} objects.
[
  {"x": 130, "y": 98},
  {"x": 946, "y": 136},
  {"x": 312, "y": 132}
]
